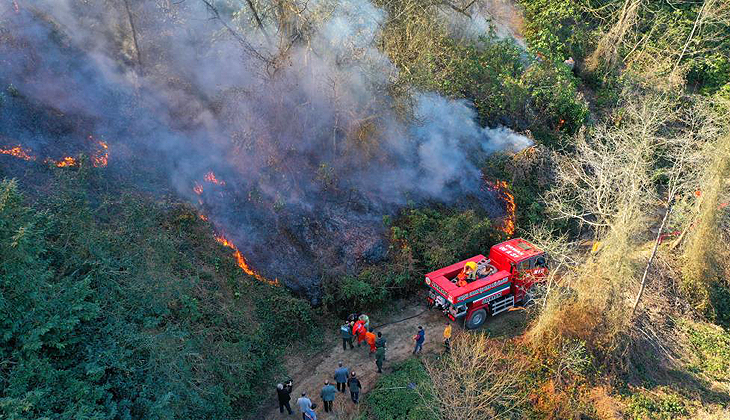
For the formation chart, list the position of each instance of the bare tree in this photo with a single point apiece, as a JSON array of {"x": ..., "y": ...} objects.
[{"x": 478, "y": 380}]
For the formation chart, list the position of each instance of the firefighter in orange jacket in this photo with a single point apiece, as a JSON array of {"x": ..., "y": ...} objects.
[
  {"x": 370, "y": 339},
  {"x": 468, "y": 273},
  {"x": 358, "y": 330}
]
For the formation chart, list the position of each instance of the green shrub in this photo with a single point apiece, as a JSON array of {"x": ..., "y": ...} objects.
[
  {"x": 643, "y": 406},
  {"x": 117, "y": 306},
  {"x": 401, "y": 395},
  {"x": 712, "y": 349}
]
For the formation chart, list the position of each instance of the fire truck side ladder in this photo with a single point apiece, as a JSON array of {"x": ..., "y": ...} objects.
[{"x": 503, "y": 304}]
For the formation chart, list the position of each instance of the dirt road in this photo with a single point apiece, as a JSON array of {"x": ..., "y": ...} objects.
[{"x": 309, "y": 373}]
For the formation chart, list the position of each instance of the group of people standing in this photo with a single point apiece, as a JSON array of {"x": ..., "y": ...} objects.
[{"x": 357, "y": 326}]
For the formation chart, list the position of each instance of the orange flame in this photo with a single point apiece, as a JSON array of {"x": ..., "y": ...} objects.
[
  {"x": 210, "y": 177},
  {"x": 101, "y": 157},
  {"x": 17, "y": 152},
  {"x": 198, "y": 189},
  {"x": 67, "y": 161},
  {"x": 508, "y": 223},
  {"x": 242, "y": 261},
  {"x": 203, "y": 217}
]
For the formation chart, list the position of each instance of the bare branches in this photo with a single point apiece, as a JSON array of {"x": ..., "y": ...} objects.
[
  {"x": 238, "y": 37},
  {"x": 479, "y": 379}
]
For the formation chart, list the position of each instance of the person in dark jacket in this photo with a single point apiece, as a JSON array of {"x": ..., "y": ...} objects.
[
  {"x": 284, "y": 394},
  {"x": 381, "y": 341},
  {"x": 420, "y": 337},
  {"x": 379, "y": 358},
  {"x": 328, "y": 396},
  {"x": 341, "y": 375},
  {"x": 354, "y": 384},
  {"x": 346, "y": 334}
]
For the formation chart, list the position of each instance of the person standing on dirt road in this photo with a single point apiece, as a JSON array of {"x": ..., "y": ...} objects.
[
  {"x": 381, "y": 341},
  {"x": 328, "y": 396},
  {"x": 370, "y": 339},
  {"x": 284, "y": 394},
  {"x": 447, "y": 337},
  {"x": 358, "y": 330},
  {"x": 346, "y": 333},
  {"x": 341, "y": 375},
  {"x": 304, "y": 404},
  {"x": 379, "y": 358},
  {"x": 420, "y": 337},
  {"x": 355, "y": 387}
]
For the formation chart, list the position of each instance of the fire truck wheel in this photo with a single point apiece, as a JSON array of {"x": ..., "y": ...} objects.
[{"x": 476, "y": 319}]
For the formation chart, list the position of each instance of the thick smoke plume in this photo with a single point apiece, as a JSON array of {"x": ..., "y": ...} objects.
[{"x": 289, "y": 107}]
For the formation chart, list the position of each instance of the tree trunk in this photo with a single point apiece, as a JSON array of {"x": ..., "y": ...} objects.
[{"x": 651, "y": 259}]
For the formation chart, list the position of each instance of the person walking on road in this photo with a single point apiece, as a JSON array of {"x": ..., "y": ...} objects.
[
  {"x": 328, "y": 396},
  {"x": 447, "y": 337},
  {"x": 309, "y": 413},
  {"x": 420, "y": 337},
  {"x": 379, "y": 358},
  {"x": 304, "y": 404},
  {"x": 341, "y": 375},
  {"x": 284, "y": 394},
  {"x": 355, "y": 387},
  {"x": 346, "y": 333},
  {"x": 381, "y": 341},
  {"x": 370, "y": 339}
]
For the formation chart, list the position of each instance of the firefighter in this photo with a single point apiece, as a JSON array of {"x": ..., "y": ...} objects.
[
  {"x": 467, "y": 274},
  {"x": 379, "y": 358},
  {"x": 358, "y": 330},
  {"x": 381, "y": 341},
  {"x": 346, "y": 333},
  {"x": 447, "y": 337},
  {"x": 370, "y": 339}
]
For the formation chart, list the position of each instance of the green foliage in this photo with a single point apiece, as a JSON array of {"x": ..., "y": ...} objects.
[
  {"x": 557, "y": 29},
  {"x": 643, "y": 406},
  {"x": 393, "y": 399},
  {"x": 115, "y": 307},
  {"x": 438, "y": 238},
  {"x": 711, "y": 346}
]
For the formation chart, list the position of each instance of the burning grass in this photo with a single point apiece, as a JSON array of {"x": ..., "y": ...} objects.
[
  {"x": 17, "y": 152},
  {"x": 508, "y": 222},
  {"x": 242, "y": 263}
]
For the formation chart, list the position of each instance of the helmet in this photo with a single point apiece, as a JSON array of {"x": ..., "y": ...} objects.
[{"x": 471, "y": 266}]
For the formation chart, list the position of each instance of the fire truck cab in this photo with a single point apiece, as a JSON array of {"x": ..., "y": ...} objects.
[{"x": 503, "y": 279}]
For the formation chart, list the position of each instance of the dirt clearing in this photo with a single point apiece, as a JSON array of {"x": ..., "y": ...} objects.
[{"x": 310, "y": 372}]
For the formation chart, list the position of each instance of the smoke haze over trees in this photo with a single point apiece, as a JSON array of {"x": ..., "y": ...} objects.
[{"x": 288, "y": 103}]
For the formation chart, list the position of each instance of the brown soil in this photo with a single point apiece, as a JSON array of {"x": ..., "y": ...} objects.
[{"x": 309, "y": 372}]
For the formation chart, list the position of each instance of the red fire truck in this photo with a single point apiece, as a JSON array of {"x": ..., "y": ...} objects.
[{"x": 503, "y": 279}]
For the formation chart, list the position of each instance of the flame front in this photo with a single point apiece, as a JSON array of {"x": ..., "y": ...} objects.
[
  {"x": 210, "y": 177},
  {"x": 17, "y": 152},
  {"x": 241, "y": 261},
  {"x": 65, "y": 162},
  {"x": 198, "y": 189},
  {"x": 101, "y": 157},
  {"x": 508, "y": 223}
]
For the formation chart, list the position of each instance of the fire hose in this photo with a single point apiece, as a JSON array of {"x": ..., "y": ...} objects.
[{"x": 401, "y": 320}]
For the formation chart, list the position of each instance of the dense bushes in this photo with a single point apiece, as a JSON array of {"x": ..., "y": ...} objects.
[
  {"x": 114, "y": 307},
  {"x": 403, "y": 394}
]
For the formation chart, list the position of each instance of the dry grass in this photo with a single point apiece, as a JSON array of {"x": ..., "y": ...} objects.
[
  {"x": 700, "y": 265},
  {"x": 478, "y": 380}
]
